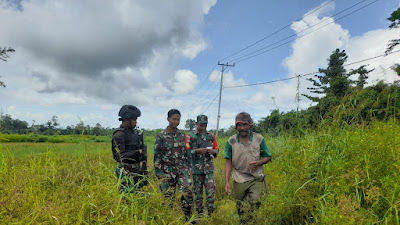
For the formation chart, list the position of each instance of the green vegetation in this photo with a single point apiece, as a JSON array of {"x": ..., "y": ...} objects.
[
  {"x": 332, "y": 175},
  {"x": 339, "y": 100}
]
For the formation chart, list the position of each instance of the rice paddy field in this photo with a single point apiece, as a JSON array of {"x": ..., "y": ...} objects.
[{"x": 333, "y": 175}]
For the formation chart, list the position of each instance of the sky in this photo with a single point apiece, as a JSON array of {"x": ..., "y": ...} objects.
[{"x": 81, "y": 60}]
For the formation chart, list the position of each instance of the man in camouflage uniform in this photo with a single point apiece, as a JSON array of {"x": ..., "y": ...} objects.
[
  {"x": 129, "y": 151},
  {"x": 204, "y": 148},
  {"x": 172, "y": 162},
  {"x": 246, "y": 152}
]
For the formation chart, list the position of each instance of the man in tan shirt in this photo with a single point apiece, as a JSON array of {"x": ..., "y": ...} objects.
[{"x": 246, "y": 152}]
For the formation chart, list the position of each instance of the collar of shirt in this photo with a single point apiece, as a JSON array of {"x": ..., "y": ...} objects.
[{"x": 251, "y": 137}]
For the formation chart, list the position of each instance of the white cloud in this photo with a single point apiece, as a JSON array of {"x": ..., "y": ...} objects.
[
  {"x": 369, "y": 45},
  {"x": 311, "y": 51},
  {"x": 228, "y": 79},
  {"x": 98, "y": 54},
  {"x": 64, "y": 47},
  {"x": 185, "y": 81}
]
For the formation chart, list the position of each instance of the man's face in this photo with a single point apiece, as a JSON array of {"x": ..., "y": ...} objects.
[
  {"x": 243, "y": 129},
  {"x": 132, "y": 123},
  {"x": 201, "y": 127},
  {"x": 174, "y": 121}
]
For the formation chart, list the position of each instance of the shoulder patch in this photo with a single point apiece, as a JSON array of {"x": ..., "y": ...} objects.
[{"x": 232, "y": 141}]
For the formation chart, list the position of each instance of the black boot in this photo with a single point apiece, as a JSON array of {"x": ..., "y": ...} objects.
[{"x": 188, "y": 216}]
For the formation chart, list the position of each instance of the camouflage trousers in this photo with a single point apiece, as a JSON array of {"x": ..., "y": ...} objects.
[
  {"x": 206, "y": 181},
  {"x": 131, "y": 177},
  {"x": 168, "y": 185}
]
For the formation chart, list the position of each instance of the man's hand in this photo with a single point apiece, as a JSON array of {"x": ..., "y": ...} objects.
[
  {"x": 227, "y": 188},
  {"x": 201, "y": 151},
  {"x": 211, "y": 151},
  {"x": 254, "y": 164}
]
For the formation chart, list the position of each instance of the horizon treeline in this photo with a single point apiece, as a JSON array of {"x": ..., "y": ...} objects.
[{"x": 337, "y": 99}]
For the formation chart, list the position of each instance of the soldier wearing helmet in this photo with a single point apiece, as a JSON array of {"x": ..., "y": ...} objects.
[{"x": 129, "y": 150}]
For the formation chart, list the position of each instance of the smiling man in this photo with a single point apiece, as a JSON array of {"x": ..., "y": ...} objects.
[{"x": 246, "y": 152}]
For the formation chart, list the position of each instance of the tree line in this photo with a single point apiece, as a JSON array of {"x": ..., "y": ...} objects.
[
  {"x": 338, "y": 99},
  {"x": 8, "y": 125}
]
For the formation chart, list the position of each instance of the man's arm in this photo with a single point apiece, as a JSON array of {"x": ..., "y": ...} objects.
[
  {"x": 265, "y": 156},
  {"x": 118, "y": 145},
  {"x": 228, "y": 170},
  {"x": 228, "y": 166},
  {"x": 157, "y": 157},
  {"x": 261, "y": 162},
  {"x": 201, "y": 151}
]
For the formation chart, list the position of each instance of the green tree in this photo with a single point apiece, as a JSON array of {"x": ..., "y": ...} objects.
[
  {"x": 190, "y": 124},
  {"x": 97, "y": 130},
  {"x": 333, "y": 83},
  {"x": 80, "y": 128},
  {"x": 362, "y": 76},
  {"x": 3, "y": 56},
  {"x": 396, "y": 68},
  {"x": 334, "y": 80},
  {"x": 395, "y": 19},
  {"x": 10, "y": 125}
]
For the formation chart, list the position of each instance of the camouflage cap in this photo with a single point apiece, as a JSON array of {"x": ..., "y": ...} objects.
[
  {"x": 202, "y": 119},
  {"x": 243, "y": 117}
]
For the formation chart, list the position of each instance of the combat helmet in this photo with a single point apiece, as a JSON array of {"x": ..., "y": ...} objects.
[{"x": 128, "y": 112}]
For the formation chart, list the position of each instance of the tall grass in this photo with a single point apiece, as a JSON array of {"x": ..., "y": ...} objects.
[{"x": 336, "y": 175}]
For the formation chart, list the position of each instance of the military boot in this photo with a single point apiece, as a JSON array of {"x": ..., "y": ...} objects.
[{"x": 188, "y": 215}]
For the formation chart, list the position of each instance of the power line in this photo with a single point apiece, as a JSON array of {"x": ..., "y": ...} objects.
[
  {"x": 308, "y": 74},
  {"x": 203, "y": 99},
  {"x": 270, "y": 35},
  {"x": 206, "y": 97},
  {"x": 209, "y": 74},
  {"x": 212, "y": 81},
  {"x": 201, "y": 102},
  {"x": 253, "y": 54},
  {"x": 210, "y": 104},
  {"x": 197, "y": 94}
]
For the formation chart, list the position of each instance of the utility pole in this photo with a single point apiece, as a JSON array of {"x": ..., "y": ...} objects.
[
  {"x": 298, "y": 94},
  {"x": 224, "y": 66}
]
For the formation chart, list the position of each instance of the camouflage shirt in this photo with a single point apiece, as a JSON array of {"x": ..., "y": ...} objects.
[
  {"x": 202, "y": 164},
  {"x": 169, "y": 153}
]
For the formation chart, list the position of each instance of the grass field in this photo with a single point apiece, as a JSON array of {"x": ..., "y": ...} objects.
[{"x": 336, "y": 175}]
